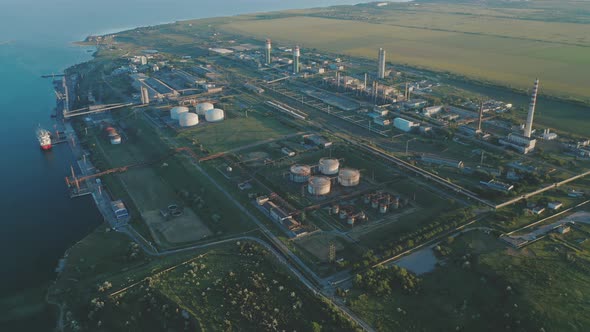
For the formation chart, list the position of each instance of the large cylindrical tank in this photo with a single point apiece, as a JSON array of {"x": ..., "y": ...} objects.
[
  {"x": 177, "y": 111},
  {"x": 202, "y": 108},
  {"x": 188, "y": 120},
  {"x": 300, "y": 173},
  {"x": 319, "y": 185},
  {"x": 214, "y": 115},
  {"x": 349, "y": 177},
  {"x": 116, "y": 139},
  {"x": 329, "y": 166}
]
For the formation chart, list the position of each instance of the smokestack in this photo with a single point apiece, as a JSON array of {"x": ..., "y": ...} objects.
[
  {"x": 480, "y": 117},
  {"x": 381, "y": 64},
  {"x": 528, "y": 128},
  {"x": 268, "y": 48},
  {"x": 296, "y": 55}
]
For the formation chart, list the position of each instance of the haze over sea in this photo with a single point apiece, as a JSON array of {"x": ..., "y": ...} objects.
[{"x": 39, "y": 221}]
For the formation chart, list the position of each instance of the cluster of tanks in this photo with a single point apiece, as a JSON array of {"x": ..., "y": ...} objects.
[
  {"x": 384, "y": 202},
  {"x": 321, "y": 183},
  {"x": 186, "y": 118}
]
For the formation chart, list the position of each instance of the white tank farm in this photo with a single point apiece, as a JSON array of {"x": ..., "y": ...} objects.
[
  {"x": 202, "y": 108},
  {"x": 319, "y": 185},
  {"x": 188, "y": 119},
  {"x": 300, "y": 173},
  {"x": 214, "y": 115},
  {"x": 349, "y": 177},
  {"x": 176, "y": 111},
  {"x": 329, "y": 166}
]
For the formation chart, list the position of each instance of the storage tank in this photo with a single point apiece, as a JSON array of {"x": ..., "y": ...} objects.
[
  {"x": 349, "y": 177},
  {"x": 214, "y": 115},
  {"x": 343, "y": 214},
  {"x": 188, "y": 120},
  {"x": 176, "y": 111},
  {"x": 351, "y": 220},
  {"x": 329, "y": 166},
  {"x": 300, "y": 173},
  {"x": 202, "y": 108},
  {"x": 116, "y": 139},
  {"x": 335, "y": 209},
  {"x": 319, "y": 185}
]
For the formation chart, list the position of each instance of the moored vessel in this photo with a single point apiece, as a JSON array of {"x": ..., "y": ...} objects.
[{"x": 44, "y": 138}]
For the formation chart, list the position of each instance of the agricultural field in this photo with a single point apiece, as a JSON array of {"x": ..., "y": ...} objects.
[
  {"x": 461, "y": 39},
  {"x": 483, "y": 285}
]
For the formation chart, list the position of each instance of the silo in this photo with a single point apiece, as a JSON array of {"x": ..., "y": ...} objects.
[
  {"x": 349, "y": 177},
  {"x": 319, "y": 185},
  {"x": 188, "y": 120},
  {"x": 214, "y": 115},
  {"x": 177, "y": 111},
  {"x": 300, "y": 173},
  {"x": 329, "y": 166},
  {"x": 202, "y": 108}
]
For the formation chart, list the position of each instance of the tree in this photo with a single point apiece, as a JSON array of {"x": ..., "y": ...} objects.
[{"x": 316, "y": 327}]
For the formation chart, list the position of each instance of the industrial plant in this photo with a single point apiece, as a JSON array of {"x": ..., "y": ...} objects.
[{"x": 333, "y": 164}]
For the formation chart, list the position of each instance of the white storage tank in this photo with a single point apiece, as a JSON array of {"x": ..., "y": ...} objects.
[
  {"x": 319, "y": 185},
  {"x": 214, "y": 115},
  {"x": 116, "y": 139},
  {"x": 329, "y": 166},
  {"x": 176, "y": 111},
  {"x": 188, "y": 120},
  {"x": 300, "y": 173},
  {"x": 202, "y": 108},
  {"x": 349, "y": 177}
]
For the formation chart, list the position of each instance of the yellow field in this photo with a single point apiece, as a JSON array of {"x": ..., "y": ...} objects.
[{"x": 557, "y": 53}]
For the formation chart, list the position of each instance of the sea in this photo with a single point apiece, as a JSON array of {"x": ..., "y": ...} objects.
[{"x": 38, "y": 220}]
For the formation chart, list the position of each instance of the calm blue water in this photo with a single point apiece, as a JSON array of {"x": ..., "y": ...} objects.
[{"x": 38, "y": 220}]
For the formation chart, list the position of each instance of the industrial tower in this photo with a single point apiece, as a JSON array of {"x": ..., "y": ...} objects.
[
  {"x": 381, "y": 64},
  {"x": 296, "y": 55},
  {"x": 528, "y": 127},
  {"x": 268, "y": 48}
]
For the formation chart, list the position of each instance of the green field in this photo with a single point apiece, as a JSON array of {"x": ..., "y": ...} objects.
[
  {"x": 231, "y": 287},
  {"x": 499, "y": 45},
  {"x": 544, "y": 286},
  {"x": 236, "y": 132}
]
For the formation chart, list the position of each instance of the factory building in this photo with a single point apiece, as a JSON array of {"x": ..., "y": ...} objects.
[
  {"x": 277, "y": 214},
  {"x": 119, "y": 209},
  {"x": 317, "y": 140},
  {"x": 381, "y": 64},
  {"x": 497, "y": 185},
  {"x": 432, "y": 110},
  {"x": 436, "y": 160},
  {"x": 145, "y": 95},
  {"x": 404, "y": 125},
  {"x": 520, "y": 143}
]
